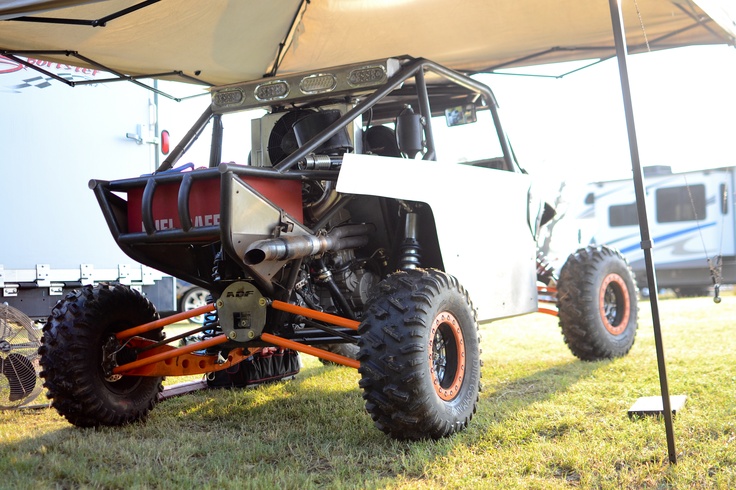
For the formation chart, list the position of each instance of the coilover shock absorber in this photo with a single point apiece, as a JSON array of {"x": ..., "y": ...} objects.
[
  {"x": 211, "y": 322},
  {"x": 211, "y": 319},
  {"x": 411, "y": 251}
]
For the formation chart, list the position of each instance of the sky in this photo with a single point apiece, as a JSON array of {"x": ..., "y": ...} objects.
[{"x": 574, "y": 129}]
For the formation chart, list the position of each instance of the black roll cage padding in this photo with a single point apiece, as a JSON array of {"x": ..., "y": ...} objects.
[{"x": 414, "y": 67}]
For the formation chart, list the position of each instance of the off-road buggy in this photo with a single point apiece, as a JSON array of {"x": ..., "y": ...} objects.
[{"x": 350, "y": 224}]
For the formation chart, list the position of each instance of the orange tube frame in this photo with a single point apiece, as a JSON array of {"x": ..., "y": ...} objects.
[
  {"x": 166, "y": 354},
  {"x": 166, "y": 360},
  {"x": 551, "y": 291},
  {"x": 147, "y": 327},
  {"x": 315, "y": 315},
  {"x": 308, "y": 349},
  {"x": 158, "y": 361}
]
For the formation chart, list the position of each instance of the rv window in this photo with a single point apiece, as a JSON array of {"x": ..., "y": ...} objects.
[
  {"x": 684, "y": 203},
  {"x": 623, "y": 215}
]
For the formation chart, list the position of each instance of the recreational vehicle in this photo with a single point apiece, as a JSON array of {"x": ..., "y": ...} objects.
[
  {"x": 52, "y": 138},
  {"x": 691, "y": 222}
]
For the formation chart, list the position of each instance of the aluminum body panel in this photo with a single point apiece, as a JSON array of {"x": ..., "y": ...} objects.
[{"x": 481, "y": 220}]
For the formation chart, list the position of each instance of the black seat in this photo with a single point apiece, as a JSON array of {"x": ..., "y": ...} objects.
[{"x": 381, "y": 140}]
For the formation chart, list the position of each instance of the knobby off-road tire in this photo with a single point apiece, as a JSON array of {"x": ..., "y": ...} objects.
[
  {"x": 420, "y": 356},
  {"x": 80, "y": 326},
  {"x": 597, "y": 303}
]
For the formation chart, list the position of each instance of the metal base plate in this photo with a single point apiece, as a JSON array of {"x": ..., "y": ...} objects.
[{"x": 652, "y": 405}]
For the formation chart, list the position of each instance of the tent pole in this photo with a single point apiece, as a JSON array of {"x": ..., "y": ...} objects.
[{"x": 641, "y": 207}]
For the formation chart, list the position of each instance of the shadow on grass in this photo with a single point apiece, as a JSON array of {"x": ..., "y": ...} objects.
[
  {"x": 322, "y": 413},
  {"x": 309, "y": 432},
  {"x": 504, "y": 398}
]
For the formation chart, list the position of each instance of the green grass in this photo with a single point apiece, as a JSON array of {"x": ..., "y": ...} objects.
[{"x": 545, "y": 420}]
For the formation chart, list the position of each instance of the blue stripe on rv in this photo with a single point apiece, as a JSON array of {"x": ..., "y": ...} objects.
[{"x": 668, "y": 236}]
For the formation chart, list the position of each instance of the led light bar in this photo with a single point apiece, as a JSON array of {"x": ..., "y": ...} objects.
[
  {"x": 318, "y": 83},
  {"x": 355, "y": 78},
  {"x": 278, "y": 89},
  {"x": 228, "y": 98}
]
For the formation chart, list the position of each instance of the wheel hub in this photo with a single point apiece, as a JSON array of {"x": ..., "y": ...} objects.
[
  {"x": 446, "y": 355},
  {"x": 614, "y": 304},
  {"x": 109, "y": 359}
]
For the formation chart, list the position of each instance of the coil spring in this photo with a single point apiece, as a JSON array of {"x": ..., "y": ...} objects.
[
  {"x": 211, "y": 321},
  {"x": 545, "y": 272},
  {"x": 411, "y": 251},
  {"x": 411, "y": 255}
]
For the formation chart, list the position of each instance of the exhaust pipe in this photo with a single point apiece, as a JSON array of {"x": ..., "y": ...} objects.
[{"x": 300, "y": 246}]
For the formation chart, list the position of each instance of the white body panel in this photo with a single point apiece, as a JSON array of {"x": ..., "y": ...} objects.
[{"x": 481, "y": 219}]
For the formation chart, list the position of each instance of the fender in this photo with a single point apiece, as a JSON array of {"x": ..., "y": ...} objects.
[{"x": 495, "y": 263}]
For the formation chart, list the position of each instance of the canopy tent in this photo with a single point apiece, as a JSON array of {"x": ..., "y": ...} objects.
[{"x": 225, "y": 41}]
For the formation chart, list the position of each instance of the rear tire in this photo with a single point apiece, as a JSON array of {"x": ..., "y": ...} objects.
[
  {"x": 72, "y": 356},
  {"x": 420, "y": 356},
  {"x": 597, "y": 303}
]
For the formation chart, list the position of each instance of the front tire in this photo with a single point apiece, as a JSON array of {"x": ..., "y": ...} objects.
[
  {"x": 78, "y": 340},
  {"x": 420, "y": 356},
  {"x": 597, "y": 304}
]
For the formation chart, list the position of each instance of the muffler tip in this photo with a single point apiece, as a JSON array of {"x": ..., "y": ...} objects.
[{"x": 254, "y": 257}]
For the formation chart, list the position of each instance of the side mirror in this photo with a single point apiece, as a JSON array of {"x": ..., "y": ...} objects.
[{"x": 459, "y": 115}]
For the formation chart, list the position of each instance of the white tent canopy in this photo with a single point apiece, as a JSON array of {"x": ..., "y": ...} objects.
[{"x": 224, "y": 41}]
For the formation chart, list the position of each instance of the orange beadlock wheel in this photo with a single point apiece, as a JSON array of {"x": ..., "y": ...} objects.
[
  {"x": 597, "y": 303},
  {"x": 446, "y": 355},
  {"x": 614, "y": 304}
]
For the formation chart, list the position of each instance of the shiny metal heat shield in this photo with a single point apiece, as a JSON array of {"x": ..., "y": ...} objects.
[{"x": 247, "y": 217}]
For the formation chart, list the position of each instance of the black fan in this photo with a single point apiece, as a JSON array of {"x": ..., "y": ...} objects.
[
  {"x": 19, "y": 368},
  {"x": 282, "y": 140}
]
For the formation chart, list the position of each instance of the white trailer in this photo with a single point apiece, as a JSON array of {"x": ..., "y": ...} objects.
[
  {"x": 691, "y": 220},
  {"x": 53, "y": 137}
]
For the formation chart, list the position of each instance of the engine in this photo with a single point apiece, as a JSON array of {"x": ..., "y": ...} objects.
[
  {"x": 336, "y": 281},
  {"x": 339, "y": 281}
]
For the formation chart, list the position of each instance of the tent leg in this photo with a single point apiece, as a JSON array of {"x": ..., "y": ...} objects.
[{"x": 646, "y": 242}]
